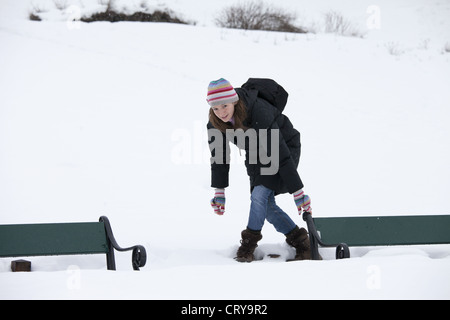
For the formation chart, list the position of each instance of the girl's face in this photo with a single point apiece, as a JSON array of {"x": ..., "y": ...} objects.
[{"x": 224, "y": 111}]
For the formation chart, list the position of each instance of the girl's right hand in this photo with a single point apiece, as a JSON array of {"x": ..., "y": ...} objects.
[
  {"x": 303, "y": 202},
  {"x": 218, "y": 202}
]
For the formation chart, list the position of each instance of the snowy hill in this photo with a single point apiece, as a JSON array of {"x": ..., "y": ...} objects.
[{"x": 110, "y": 119}]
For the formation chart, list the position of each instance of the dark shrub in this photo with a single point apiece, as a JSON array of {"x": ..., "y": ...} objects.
[
  {"x": 258, "y": 16},
  {"x": 113, "y": 16}
]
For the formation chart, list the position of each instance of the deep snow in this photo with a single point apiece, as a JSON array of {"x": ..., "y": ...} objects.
[{"x": 109, "y": 119}]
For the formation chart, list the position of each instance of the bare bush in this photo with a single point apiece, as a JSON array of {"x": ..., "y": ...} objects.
[
  {"x": 35, "y": 10},
  {"x": 61, "y": 4},
  {"x": 34, "y": 17},
  {"x": 394, "y": 48},
  {"x": 336, "y": 23},
  {"x": 258, "y": 16},
  {"x": 447, "y": 47}
]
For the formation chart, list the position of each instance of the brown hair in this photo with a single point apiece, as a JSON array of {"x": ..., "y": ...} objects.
[{"x": 240, "y": 114}]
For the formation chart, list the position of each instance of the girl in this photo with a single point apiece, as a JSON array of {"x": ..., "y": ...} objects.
[{"x": 257, "y": 106}]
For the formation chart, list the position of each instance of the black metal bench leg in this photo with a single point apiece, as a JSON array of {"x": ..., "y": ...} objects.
[
  {"x": 312, "y": 237},
  {"x": 110, "y": 258}
]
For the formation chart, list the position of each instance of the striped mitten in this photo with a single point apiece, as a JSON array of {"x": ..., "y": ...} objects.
[
  {"x": 302, "y": 201},
  {"x": 218, "y": 202}
]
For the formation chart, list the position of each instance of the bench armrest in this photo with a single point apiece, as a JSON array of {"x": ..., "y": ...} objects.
[{"x": 138, "y": 257}]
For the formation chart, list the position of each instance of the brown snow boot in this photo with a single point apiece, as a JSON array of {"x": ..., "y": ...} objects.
[
  {"x": 249, "y": 242},
  {"x": 298, "y": 238}
]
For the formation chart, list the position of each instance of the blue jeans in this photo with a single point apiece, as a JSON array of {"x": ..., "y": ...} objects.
[{"x": 263, "y": 207}]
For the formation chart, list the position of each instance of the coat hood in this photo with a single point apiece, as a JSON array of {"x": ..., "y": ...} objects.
[{"x": 260, "y": 113}]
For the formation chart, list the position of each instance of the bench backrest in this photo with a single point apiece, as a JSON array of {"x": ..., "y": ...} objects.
[
  {"x": 52, "y": 239},
  {"x": 386, "y": 230}
]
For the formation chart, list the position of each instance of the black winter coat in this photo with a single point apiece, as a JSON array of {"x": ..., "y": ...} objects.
[{"x": 263, "y": 115}]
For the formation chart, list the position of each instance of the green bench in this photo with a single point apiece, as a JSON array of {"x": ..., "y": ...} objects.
[
  {"x": 343, "y": 232},
  {"x": 22, "y": 240}
]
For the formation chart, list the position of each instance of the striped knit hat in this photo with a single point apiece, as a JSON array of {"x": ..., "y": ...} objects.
[{"x": 221, "y": 92}]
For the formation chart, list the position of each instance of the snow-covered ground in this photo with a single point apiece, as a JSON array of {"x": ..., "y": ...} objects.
[{"x": 109, "y": 119}]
